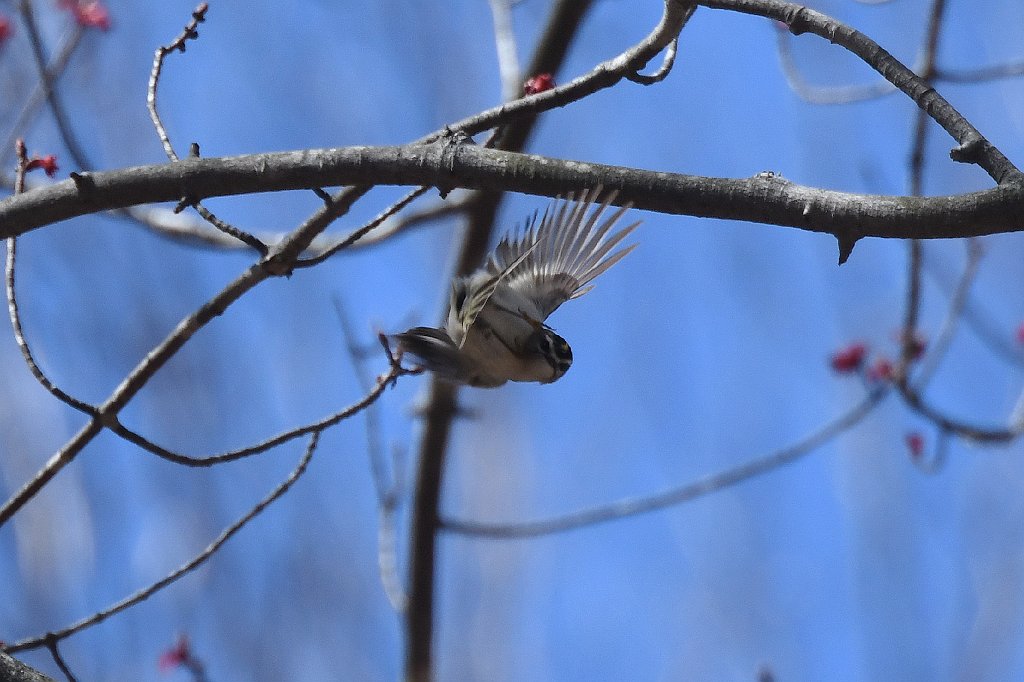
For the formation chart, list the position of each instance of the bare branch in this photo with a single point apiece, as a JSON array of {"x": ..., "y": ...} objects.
[
  {"x": 190, "y": 32},
  {"x": 46, "y": 81},
  {"x": 51, "y": 644},
  {"x": 635, "y": 506},
  {"x": 972, "y": 147},
  {"x": 383, "y": 381},
  {"x": 505, "y": 42},
  {"x": 67, "y": 46},
  {"x": 978, "y": 319},
  {"x": 831, "y": 94},
  {"x": 764, "y": 198},
  {"x": 364, "y": 230},
  {"x": 958, "y": 301},
  {"x": 145, "y": 593}
]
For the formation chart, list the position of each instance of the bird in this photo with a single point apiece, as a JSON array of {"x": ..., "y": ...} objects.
[{"x": 496, "y": 331}]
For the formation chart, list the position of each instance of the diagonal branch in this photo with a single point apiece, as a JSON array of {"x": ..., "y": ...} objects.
[
  {"x": 973, "y": 147},
  {"x": 188, "y": 567},
  {"x": 709, "y": 484}
]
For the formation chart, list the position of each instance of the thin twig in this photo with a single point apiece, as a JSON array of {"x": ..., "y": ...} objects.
[
  {"x": 382, "y": 383},
  {"x": 364, "y": 230},
  {"x": 51, "y": 645},
  {"x": 190, "y": 32},
  {"x": 666, "y": 66},
  {"x": 192, "y": 564},
  {"x": 19, "y": 337},
  {"x": 12, "y": 303}
]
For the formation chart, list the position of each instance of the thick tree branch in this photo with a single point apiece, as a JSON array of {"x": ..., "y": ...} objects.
[
  {"x": 765, "y": 198},
  {"x": 13, "y": 670}
]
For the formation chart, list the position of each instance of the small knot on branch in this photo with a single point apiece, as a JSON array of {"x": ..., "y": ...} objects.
[
  {"x": 84, "y": 182},
  {"x": 970, "y": 150}
]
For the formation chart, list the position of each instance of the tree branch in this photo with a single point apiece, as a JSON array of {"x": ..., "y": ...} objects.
[{"x": 764, "y": 198}]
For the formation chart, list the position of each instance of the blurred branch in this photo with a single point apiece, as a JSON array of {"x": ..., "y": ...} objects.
[
  {"x": 981, "y": 74},
  {"x": 505, "y": 43},
  {"x": 958, "y": 302},
  {"x": 978, "y": 319},
  {"x": 643, "y": 505},
  {"x": 188, "y": 567},
  {"x": 46, "y": 81},
  {"x": 48, "y": 77},
  {"x": 388, "y": 488},
  {"x": 562, "y": 27},
  {"x": 822, "y": 94}
]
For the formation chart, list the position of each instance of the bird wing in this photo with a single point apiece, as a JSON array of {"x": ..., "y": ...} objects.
[
  {"x": 467, "y": 307},
  {"x": 556, "y": 258}
]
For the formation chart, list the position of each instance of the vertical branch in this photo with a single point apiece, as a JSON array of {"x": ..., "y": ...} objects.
[
  {"x": 909, "y": 343},
  {"x": 505, "y": 43},
  {"x": 563, "y": 24}
]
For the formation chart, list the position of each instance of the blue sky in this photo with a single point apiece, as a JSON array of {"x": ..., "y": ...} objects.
[{"x": 707, "y": 347}]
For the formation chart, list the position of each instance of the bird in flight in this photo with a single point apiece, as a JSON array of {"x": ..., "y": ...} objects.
[{"x": 495, "y": 330}]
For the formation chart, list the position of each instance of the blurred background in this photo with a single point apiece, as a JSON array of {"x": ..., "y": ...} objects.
[{"x": 707, "y": 347}]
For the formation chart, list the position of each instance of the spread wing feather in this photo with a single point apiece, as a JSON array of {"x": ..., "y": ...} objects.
[{"x": 556, "y": 258}]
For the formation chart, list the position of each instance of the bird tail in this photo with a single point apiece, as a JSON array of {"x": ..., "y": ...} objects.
[{"x": 436, "y": 351}]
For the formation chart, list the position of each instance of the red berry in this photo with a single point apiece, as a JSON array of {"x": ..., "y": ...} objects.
[
  {"x": 849, "y": 359},
  {"x": 542, "y": 82},
  {"x": 915, "y": 444}
]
